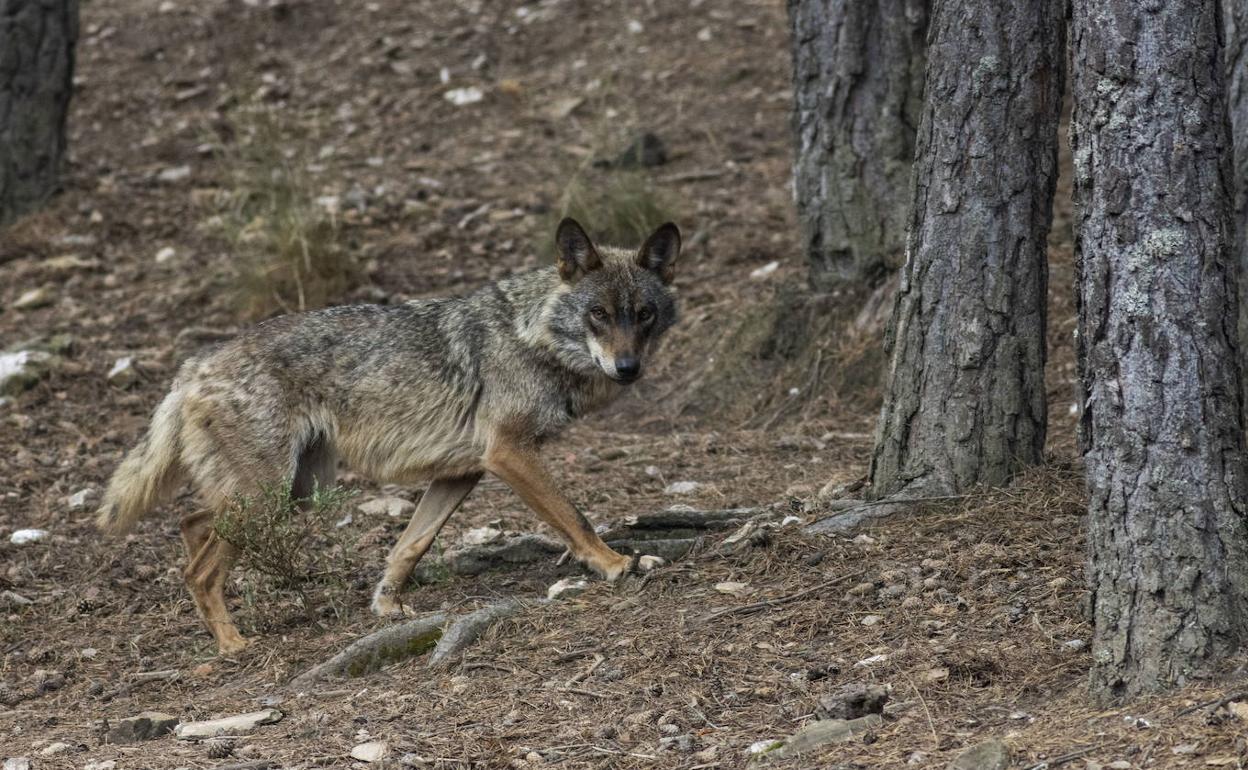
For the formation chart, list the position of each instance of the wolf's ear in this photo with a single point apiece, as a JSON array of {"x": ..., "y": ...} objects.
[
  {"x": 660, "y": 251},
  {"x": 577, "y": 255}
]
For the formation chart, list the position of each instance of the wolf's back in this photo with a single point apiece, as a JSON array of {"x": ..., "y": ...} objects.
[{"x": 150, "y": 473}]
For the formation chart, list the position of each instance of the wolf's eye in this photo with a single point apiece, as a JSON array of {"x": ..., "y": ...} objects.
[
  {"x": 645, "y": 315},
  {"x": 598, "y": 312}
]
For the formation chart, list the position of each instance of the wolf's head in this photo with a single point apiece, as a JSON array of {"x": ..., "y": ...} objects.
[{"x": 616, "y": 303}]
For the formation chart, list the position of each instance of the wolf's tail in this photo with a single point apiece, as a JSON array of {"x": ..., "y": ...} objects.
[{"x": 150, "y": 473}]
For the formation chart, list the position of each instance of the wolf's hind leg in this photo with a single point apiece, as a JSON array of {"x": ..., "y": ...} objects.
[
  {"x": 209, "y": 560},
  {"x": 521, "y": 469},
  {"x": 317, "y": 468},
  {"x": 436, "y": 506}
]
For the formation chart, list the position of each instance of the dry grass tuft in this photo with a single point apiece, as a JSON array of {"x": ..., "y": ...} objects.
[{"x": 287, "y": 245}]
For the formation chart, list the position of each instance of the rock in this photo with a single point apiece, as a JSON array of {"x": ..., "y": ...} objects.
[
  {"x": 235, "y": 725},
  {"x": 100, "y": 764},
  {"x": 873, "y": 620},
  {"x": 461, "y": 97},
  {"x": 12, "y": 600},
  {"x": 174, "y": 174},
  {"x": 762, "y": 272},
  {"x": 372, "y": 751},
  {"x": 146, "y": 726},
  {"x": 681, "y": 743},
  {"x": 52, "y": 749},
  {"x": 893, "y": 592},
  {"x": 567, "y": 588},
  {"x": 482, "y": 536},
  {"x": 17, "y": 763},
  {"x": 1075, "y": 645},
  {"x": 852, "y": 701},
  {"x": 34, "y": 298},
  {"x": 28, "y": 536},
  {"x": 21, "y": 370},
  {"x": 81, "y": 499},
  {"x": 165, "y": 254},
  {"x": 731, "y": 587},
  {"x": 124, "y": 373},
  {"x": 991, "y": 755},
  {"x": 682, "y": 487},
  {"x": 822, "y": 732},
  {"x": 390, "y": 506}
]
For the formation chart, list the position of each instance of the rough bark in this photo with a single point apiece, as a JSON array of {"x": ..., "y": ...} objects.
[
  {"x": 964, "y": 403},
  {"x": 1235, "y": 61},
  {"x": 1161, "y": 431},
  {"x": 37, "y": 39},
  {"x": 857, "y": 87}
]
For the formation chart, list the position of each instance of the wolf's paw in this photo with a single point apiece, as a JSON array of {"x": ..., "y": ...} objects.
[
  {"x": 385, "y": 605},
  {"x": 231, "y": 644}
]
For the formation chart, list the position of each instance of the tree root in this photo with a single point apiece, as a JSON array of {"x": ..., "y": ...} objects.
[
  {"x": 462, "y": 633},
  {"x": 378, "y": 649}
]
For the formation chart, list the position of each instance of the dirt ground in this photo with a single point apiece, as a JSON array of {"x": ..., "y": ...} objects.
[{"x": 970, "y": 611}]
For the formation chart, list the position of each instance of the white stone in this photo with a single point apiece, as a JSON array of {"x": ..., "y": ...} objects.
[
  {"x": 123, "y": 374},
  {"x": 27, "y": 536},
  {"x": 764, "y": 271},
  {"x": 390, "y": 506},
  {"x": 235, "y": 725},
  {"x": 52, "y": 749},
  {"x": 33, "y": 298},
  {"x": 17, "y": 763},
  {"x": 482, "y": 535},
  {"x": 80, "y": 499},
  {"x": 370, "y": 752},
  {"x": 101, "y": 764},
  {"x": 461, "y": 97},
  {"x": 175, "y": 173},
  {"x": 566, "y": 588},
  {"x": 873, "y": 620},
  {"x": 682, "y": 487},
  {"x": 165, "y": 254},
  {"x": 731, "y": 587}
]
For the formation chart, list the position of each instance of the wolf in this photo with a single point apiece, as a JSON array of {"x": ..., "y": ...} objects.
[{"x": 433, "y": 390}]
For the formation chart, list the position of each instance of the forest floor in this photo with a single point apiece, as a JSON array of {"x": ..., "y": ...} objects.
[{"x": 970, "y": 612}]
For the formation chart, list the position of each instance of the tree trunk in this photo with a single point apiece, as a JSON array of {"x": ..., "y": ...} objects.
[
  {"x": 857, "y": 87},
  {"x": 965, "y": 401},
  {"x": 37, "y": 40},
  {"x": 1235, "y": 61},
  {"x": 1161, "y": 432}
]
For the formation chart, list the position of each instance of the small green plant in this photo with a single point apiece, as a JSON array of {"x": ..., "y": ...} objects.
[
  {"x": 294, "y": 542},
  {"x": 287, "y": 245}
]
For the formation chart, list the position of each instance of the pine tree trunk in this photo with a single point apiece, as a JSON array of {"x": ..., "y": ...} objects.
[
  {"x": 1161, "y": 431},
  {"x": 857, "y": 85},
  {"x": 1235, "y": 60},
  {"x": 37, "y": 40},
  {"x": 965, "y": 401}
]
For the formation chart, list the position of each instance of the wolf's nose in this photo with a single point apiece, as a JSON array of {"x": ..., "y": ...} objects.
[{"x": 627, "y": 367}]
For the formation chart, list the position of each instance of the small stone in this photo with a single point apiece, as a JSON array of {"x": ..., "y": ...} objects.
[
  {"x": 567, "y": 588},
  {"x": 1185, "y": 748},
  {"x": 1075, "y": 645},
  {"x": 124, "y": 373},
  {"x": 22, "y": 370},
  {"x": 822, "y": 732},
  {"x": 933, "y": 675},
  {"x": 17, "y": 763},
  {"x": 1120, "y": 764},
  {"x": 991, "y": 755},
  {"x": 731, "y": 587},
  {"x": 33, "y": 298},
  {"x": 681, "y": 743},
  {"x": 389, "y": 506},
  {"x": 28, "y": 536},
  {"x": 461, "y": 97},
  {"x": 892, "y": 592},
  {"x": 146, "y": 726},
  {"x": 83, "y": 498},
  {"x": 760, "y": 273},
  {"x": 852, "y": 701},
  {"x": 11, "y": 600},
  {"x": 165, "y": 254},
  {"x": 482, "y": 536},
  {"x": 682, "y": 487},
  {"x": 370, "y": 752},
  {"x": 233, "y": 725},
  {"x": 100, "y": 764},
  {"x": 864, "y": 539},
  {"x": 911, "y": 603},
  {"x": 174, "y": 174},
  {"x": 52, "y": 749}
]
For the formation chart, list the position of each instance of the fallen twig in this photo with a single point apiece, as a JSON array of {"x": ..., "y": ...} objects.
[
  {"x": 1061, "y": 760},
  {"x": 1216, "y": 703},
  {"x": 756, "y": 606}
]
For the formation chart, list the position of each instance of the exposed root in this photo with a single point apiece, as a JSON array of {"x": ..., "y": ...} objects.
[
  {"x": 379, "y": 649},
  {"x": 461, "y": 634}
]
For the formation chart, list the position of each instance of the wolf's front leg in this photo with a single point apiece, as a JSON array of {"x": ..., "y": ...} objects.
[
  {"x": 521, "y": 469},
  {"x": 436, "y": 506}
]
